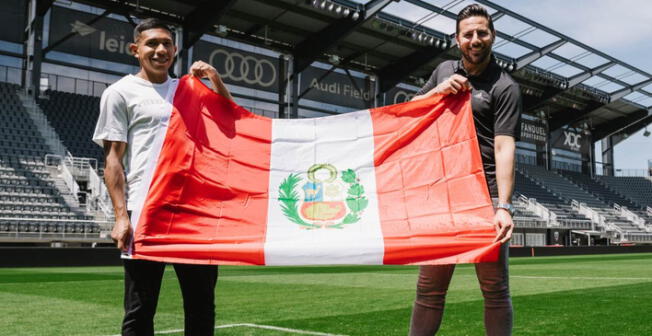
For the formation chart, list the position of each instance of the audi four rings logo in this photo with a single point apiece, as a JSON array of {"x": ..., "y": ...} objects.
[
  {"x": 250, "y": 70},
  {"x": 403, "y": 96}
]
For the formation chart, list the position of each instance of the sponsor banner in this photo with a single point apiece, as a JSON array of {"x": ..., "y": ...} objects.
[
  {"x": 12, "y": 16},
  {"x": 399, "y": 95},
  {"x": 572, "y": 140},
  {"x": 240, "y": 67},
  {"x": 336, "y": 88},
  {"x": 261, "y": 72},
  {"x": 107, "y": 39},
  {"x": 533, "y": 131}
]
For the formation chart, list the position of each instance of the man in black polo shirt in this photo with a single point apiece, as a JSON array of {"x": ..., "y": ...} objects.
[{"x": 496, "y": 105}]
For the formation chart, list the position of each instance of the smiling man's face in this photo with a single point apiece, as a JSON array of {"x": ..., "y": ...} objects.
[
  {"x": 475, "y": 38},
  {"x": 155, "y": 52}
]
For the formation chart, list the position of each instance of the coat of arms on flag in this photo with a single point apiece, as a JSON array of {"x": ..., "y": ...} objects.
[
  {"x": 400, "y": 184},
  {"x": 326, "y": 199}
]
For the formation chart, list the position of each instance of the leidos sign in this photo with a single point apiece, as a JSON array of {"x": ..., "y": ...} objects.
[{"x": 106, "y": 39}]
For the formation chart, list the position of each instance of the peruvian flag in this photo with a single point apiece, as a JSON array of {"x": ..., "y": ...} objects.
[{"x": 400, "y": 184}]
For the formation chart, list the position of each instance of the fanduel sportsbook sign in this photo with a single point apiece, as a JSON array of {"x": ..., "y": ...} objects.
[
  {"x": 533, "y": 131},
  {"x": 107, "y": 39}
]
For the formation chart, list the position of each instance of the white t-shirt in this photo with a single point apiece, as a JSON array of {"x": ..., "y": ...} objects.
[{"x": 134, "y": 110}]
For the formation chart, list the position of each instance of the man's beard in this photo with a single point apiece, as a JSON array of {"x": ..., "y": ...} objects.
[{"x": 483, "y": 57}]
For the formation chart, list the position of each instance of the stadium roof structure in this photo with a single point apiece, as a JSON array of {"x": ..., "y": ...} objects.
[{"x": 562, "y": 79}]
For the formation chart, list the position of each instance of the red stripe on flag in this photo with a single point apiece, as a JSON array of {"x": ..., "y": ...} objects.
[
  {"x": 433, "y": 200},
  {"x": 208, "y": 198}
]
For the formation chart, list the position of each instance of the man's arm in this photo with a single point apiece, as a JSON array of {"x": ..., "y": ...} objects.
[
  {"x": 114, "y": 178},
  {"x": 204, "y": 70},
  {"x": 504, "y": 149}
]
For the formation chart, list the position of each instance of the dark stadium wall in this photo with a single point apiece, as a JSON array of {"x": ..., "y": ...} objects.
[
  {"x": 546, "y": 251},
  {"x": 68, "y": 257},
  {"x": 63, "y": 257}
]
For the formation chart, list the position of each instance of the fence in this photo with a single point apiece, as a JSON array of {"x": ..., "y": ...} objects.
[
  {"x": 53, "y": 229},
  {"x": 56, "y": 82}
]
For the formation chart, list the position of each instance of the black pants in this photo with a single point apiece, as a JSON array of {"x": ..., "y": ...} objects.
[{"x": 142, "y": 287}]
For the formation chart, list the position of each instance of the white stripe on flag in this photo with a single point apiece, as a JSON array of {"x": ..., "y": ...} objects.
[
  {"x": 345, "y": 142},
  {"x": 161, "y": 130}
]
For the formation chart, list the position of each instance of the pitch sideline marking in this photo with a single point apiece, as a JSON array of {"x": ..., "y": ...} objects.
[
  {"x": 253, "y": 325},
  {"x": 576, "y": 278}
]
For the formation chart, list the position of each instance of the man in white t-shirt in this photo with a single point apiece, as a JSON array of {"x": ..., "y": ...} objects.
[{"x": 132, "y": 110}]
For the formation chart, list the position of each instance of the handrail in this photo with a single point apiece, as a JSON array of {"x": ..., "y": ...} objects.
[
  {"x": 540, "y": 210},
  {"x": 630, "y": 216},
  {"x": 595, "y": 217},
  {"x": 66, "y": 175},
  {"x": 94, "y": 183}
]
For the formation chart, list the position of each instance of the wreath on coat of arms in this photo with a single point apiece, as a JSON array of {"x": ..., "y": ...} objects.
[{"x": 323, "y": 201}]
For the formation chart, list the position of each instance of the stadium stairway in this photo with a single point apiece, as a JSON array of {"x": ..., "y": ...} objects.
[
  {"x": 31, "y": 203},
  {"x": 568, "y": 191},
  {"x": 607, "y": 195},
  {"x": 565, "y": 214}
]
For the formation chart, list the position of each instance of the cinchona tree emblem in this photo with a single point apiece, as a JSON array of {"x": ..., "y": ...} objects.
[{"x": 328, "y": 199}]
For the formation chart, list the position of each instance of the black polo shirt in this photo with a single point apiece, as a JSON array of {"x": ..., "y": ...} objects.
[{"x": 496, "y": 104}]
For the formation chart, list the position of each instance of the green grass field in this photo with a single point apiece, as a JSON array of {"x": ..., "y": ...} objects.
[{"x": 583, "y": 295}]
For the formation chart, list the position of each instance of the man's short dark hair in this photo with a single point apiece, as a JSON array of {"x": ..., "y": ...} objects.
[
  {"x": 151, "y": 23},
  {"x": 474, "y": 10}
]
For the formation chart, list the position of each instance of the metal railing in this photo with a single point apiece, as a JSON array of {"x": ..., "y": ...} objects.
[
  {"x": 539, "y": 209},
  {"x": 579, "y": 224},
  {"x": 598, "y": 219},
  {"x": 632, "y": 172},
  {"x": 630, "y": 216},
  {"x": 638, "y": 237},
  {"x": 10, "y": 74},
  {"x": 595, "y": 217},
  {"x": 530, "y": 223},
  {"x": 52, "y": 229},
  {"x": 63, "y": 165},
  {"x": 56, "y": 82}
]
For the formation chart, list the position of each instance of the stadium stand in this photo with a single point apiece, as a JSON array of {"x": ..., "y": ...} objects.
[
  {"x": 609, "y": 195},
  {"x": 533, "y": 189},
  {"x": 569, "y": 192},
  {"x": 32, "y": 198},
  {"x": 635, "y": 188},
  {"x": 73, "y": 116}
]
